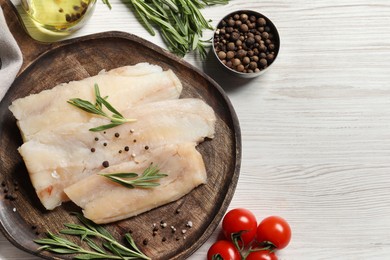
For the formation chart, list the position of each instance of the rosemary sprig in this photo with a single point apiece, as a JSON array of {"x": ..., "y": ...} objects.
[
  {"x": 97, "y": 108},
  {"x": 110, "y": 248},
  {"x": 106, "y": 2},
  {"x": 180, "y": 22},
  {"x": 132, "y": 180}
]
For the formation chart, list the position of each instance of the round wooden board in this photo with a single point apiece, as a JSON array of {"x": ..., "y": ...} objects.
[{"x": 83, "y": 57}]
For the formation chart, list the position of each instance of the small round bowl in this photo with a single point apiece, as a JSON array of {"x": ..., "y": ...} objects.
[{"x": 246, "y": 43}]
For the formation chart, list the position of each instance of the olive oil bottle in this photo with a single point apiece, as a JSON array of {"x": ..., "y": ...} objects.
[{"x": 59, "y": 15}]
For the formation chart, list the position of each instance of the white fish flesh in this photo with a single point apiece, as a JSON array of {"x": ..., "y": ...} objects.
[
  {"x": 62, "y": 156},
  {"x": 104, "y": 201},
  {"x": 125, "y": 87}
]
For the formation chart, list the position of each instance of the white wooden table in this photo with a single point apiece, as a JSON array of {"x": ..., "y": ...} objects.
[{"x": 315, "y": 127}]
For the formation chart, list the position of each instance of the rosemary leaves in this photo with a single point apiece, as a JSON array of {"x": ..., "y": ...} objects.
[
  {"x": 109, "y": 249},
  {"x": 148, "y": 178},
  {"x": 97, "y": 108},
  {"x": 180, "y": 22}
]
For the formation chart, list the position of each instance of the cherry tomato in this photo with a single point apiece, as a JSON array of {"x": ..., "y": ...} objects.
[
  {"x": 262, "y": 255},
  {"x": 224, "y": 249},
  {"x": 238, "y": 220},
  {"x": 275, "y": 230}
]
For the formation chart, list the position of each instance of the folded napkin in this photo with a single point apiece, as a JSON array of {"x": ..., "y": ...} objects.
[{"x": 10, "y": 57}]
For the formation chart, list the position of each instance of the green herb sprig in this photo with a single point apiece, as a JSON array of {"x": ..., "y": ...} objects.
[
  {"x": 97, "y": 108},
  {"x": 148, "y": 178},
  {"x": 180, "y": 22},
  {"x": 109, "y": 249}
]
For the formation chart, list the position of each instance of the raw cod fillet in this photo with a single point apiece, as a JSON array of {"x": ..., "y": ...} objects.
[
  {"x": 104, "y": 201},
  {"x": 125, "y": 86},
  {"x": 62, "y": 156}
]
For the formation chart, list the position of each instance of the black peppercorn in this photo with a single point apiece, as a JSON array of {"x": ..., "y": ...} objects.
[
  {"x": 241, "y": 54},
  {"x": 145, "y": 242},
  {"x": 236, "y": 62},
  {"x": 270, "y": 57},
  {"x": 261, "y": 21},
  {"x": 231, "y": 22},
  {"x": 222, "y": 55},
  {"x": 234, "y": 36},
  {"x": 244, "y": 17},
  {"x": 263, "y": 62},
  {"x": 240, "y": 68},
  {"x": 250, "y": 41},
  {"x": 105, "y": 164},
  {"x": 230, "y": 55},
  {"x": 244, "y": 27},
  {"x": 253, "y": 65},
  {"x": 231, "y": 46}
]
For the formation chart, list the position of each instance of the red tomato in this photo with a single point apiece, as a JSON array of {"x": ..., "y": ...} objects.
[
  {"x": 224, "y": 249},
  {"x": 275, "y": 230},
  {"x": 238, "y": 220},
  {"x": 262, "y": 255}
]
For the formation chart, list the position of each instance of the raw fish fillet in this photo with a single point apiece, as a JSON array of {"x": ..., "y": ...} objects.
[
  {"x": 105, "y": 201},
  {"x": 59, "y": 157},
  {"x": 126, "y": 87}
]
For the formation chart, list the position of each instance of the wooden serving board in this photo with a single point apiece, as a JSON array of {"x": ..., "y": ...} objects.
[{"x": 46, "y": 65}]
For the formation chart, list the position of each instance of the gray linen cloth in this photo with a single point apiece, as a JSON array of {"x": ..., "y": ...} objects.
[{"x": 10, "y": 57}]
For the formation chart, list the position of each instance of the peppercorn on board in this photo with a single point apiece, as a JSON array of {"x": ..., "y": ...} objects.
[{"x": 81, "y": 58}]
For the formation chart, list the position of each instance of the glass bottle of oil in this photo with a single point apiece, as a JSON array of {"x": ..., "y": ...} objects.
[{"x": 59, "y": 15}]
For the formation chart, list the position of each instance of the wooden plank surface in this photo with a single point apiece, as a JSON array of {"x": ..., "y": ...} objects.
[{"x": 315, "y": 127}]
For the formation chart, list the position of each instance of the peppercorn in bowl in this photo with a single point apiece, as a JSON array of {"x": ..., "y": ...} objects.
[{"x": 246, "y": 43}]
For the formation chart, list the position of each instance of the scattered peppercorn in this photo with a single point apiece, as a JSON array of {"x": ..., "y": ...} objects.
[
  {"x": 106, "y": 164},
  {"x": 146, "y": 147},
  {"x": 10, "y": 197},
  {"x": 105, "y": 144},
  {"x": 116, "y": 134},
  {"x": 93, "y": 150},
  {"x": 145, "y": 242},
  {"x": 127, "y": 148},
  {"x": 96, "y": 139},
  {"x": 243, "y": 40}
]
